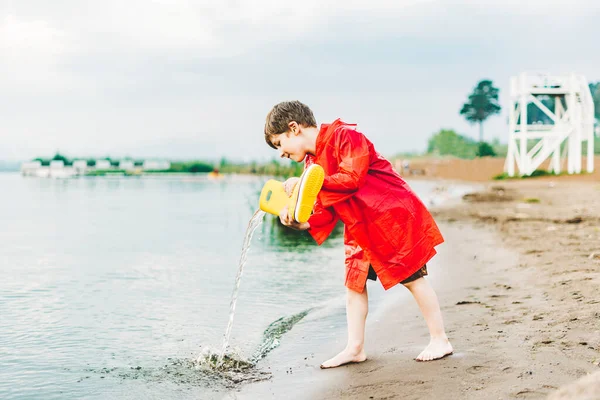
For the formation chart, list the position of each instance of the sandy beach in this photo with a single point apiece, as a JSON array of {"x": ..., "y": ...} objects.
[{"x": 518, "y": 280}]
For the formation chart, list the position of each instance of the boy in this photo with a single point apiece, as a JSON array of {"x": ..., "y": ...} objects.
[{"x": 389, "y": 234}]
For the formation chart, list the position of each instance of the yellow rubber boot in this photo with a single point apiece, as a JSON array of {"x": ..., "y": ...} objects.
[
  {"x": 305, "y": 193},
  {"x": 273, "y": 197},
  {"x": 300, "y": 205}
]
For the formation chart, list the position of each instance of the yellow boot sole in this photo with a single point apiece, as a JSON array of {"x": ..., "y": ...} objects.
[{"x": 305, "y": 193}]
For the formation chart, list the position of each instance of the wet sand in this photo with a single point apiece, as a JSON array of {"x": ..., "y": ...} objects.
[{"x": 518, "y": 280}]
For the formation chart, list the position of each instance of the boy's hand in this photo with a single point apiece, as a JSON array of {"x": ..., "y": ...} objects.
[
  {"x": 287, "y": 220},
  {"x": 289, "y": 185}
]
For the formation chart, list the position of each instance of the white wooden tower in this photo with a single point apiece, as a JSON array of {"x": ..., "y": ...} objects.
[{"x": 530, "y": 142}]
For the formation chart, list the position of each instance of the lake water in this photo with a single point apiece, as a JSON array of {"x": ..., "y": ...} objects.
[{"x": 110, "y": 286}]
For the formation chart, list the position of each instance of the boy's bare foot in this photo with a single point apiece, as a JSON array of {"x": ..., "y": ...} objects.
[
  {"x": 437, "y": 348},
  {"x": 345, "y": 357}
]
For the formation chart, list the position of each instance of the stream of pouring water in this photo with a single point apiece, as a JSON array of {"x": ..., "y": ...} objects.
[{"x": 254, "y": 223}]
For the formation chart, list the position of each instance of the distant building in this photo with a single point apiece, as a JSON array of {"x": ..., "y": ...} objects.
[
  {"x": 156, "y": 165},
  {"x": 126, "y": 165},
  {"x": 57, "y": 168},
  {"x": 80, "y": 166},
  {"x": 30, "y": 168},
  {"x": 102, "y": 164}
]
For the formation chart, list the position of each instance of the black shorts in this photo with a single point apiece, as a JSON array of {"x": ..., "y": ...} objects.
[{"x": 419, "y": 274}]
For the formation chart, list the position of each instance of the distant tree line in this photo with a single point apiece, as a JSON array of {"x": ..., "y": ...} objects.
[
  {"x": 447, "y": 142},
  {"x": 273, "y": 167},
  {"x": 90, "y": 162}
]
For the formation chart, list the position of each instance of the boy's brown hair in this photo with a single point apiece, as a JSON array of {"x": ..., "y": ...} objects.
[{"x": 285, "y": 112}]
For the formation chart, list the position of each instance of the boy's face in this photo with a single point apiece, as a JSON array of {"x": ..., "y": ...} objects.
[{"x": 290, "y": 144}]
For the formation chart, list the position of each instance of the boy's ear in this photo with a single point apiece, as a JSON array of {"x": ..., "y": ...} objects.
[{"x": 293, "y": 127}]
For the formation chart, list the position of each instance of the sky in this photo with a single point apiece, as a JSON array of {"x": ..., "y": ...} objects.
[{"x": 183, "y": 79}]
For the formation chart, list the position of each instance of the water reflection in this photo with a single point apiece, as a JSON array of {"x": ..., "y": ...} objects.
[{"x": 281, "y": 238}]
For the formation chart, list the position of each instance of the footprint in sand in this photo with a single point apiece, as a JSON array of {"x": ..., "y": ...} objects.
[
  {"x": 530, "y": 394},
  {"x": 476, "y": 369},
  {"x": 506, "y": 287},
  {"x": 373, "y": 369}
]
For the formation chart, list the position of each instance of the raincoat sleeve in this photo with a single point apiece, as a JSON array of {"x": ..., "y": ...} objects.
[
  {"x": 353, "y": 158},
  {"x": 322, "y": 222}
]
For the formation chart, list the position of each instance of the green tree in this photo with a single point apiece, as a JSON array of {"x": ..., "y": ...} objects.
[
  {"x": 482, "y": 103},
  {"x": 595, "y": 89},
  {"x": 448, "y": 142},
  {"x": 191, "y": 166},
  {"x": 501, "y": 149},
  {"x": 60, "y": 157},
  {"x": 485, "y": 150},
  {"x": 198, "y": 166},
  {"x": 44, "y": 163}
]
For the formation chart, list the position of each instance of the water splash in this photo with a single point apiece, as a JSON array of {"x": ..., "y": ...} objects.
[
  {"x": 234, "y": 362},
  {"x": 212, "y": 360},
  {"x": 254, "y": 223},
  {"x": 218, "y": 367},
  {"x": 230, "y": 374},
  {"x": 207, "y": 371},
  {"x": 274, "y": 332}
]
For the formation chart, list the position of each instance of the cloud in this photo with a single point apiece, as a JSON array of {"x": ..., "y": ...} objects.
[
  {"x": 144, "y": 73},
  {"x": 30, "y": 50},
  {"x": 540, "y": 7},
  {"x": 36, "y": 36}
]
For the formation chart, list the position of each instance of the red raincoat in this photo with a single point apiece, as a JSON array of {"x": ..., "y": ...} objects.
[{"x": 386, "y": 225}]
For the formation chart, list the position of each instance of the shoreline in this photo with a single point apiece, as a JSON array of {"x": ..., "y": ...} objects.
[
  {"x": 516, "y": 280},
  {"x": 396, "y": 333}
]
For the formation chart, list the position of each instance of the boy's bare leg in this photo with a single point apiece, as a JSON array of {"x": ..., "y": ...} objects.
[
  {"x": 439, "y": 345},
  {"x": 357, "y": 307}
]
